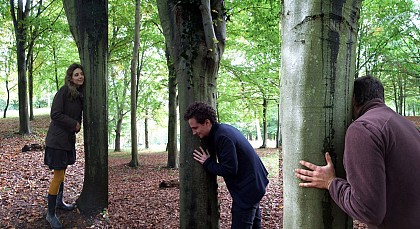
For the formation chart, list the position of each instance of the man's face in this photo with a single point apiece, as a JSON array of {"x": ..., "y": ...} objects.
[{"x": 201, "y": 130}]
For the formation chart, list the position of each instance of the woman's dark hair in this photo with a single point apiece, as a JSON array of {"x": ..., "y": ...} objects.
[
  {"x": 73, "y": 92},
  {"x": 367, "y": 88},
  {"x": 200, "y": 111}
]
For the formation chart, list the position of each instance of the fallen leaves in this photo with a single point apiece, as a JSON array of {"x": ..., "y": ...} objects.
[{"x": 135, "y": 198}]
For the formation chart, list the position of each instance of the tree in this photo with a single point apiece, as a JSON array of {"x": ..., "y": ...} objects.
[
  {"x": 196, "y": 37},
  {"x": 172, "y": 147},
  {"x": 88, "y": 22},
  {"x": 134, "y": 61},
  {"x": 318, "y": 67},
  {"x": 20, "y": 26}
]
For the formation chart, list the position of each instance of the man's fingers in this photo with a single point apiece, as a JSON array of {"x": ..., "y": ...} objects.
[
  {"x": 308, "y": 165},
  {"x": 306, "y": 185},
  {"x": 328, "y": 158},
  {"x": 303, "y": 177},
  {"x": 304, "y": 172}
]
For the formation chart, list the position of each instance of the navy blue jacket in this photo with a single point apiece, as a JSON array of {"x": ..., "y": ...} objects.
[{"x": 238, "y": 163}]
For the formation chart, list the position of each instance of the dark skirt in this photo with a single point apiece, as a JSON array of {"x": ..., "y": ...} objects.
[{"x": 59, "y": 159}]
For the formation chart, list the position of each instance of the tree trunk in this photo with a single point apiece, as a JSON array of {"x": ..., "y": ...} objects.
[
  {"x": 21, "y": 40},
  {"x": 173, "y": 160},
  {"x": 318, "y": 68},
  {"x": 88, "y": 21},
  {"x": 7, "y": 64},
  {"x": 31, "y": 85},
  {"x": 195, "y": 33},
  {"x": 265, "y": 132},
  {"x": 133, "y": 69},
  {"x": 55, "y": 68},
  {"x": 8, "y": 99},
  {"x": 278, "y": 136},
  {"x": 118, "y": 134},
  {"x": 146, "y": 130}
]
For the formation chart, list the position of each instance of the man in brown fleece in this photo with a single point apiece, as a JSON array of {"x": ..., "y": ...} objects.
[{"x": 381, "y": 159}]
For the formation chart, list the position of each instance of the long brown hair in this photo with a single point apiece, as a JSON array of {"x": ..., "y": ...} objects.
[{"x": 73, "y": 91}]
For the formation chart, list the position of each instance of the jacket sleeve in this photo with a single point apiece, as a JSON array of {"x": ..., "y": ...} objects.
[
  {"x": 227, "y": 164},
  {"x": 363, "y": 195},
  {"x": 57, "y": 112}
]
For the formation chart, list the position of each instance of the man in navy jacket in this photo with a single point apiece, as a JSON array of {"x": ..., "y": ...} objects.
[{"x": 237, "y": 162}]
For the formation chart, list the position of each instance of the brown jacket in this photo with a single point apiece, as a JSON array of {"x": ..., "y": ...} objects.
[
  {"x": 381, "y": 159},
  {"x": 65, "y": 113}
]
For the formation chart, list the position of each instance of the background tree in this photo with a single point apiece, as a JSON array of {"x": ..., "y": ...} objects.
[
  {"x": 318, "y": 67},
  {"x": 172, "y": 146},
  {"x": 19, "y": 16},
  {"x": 197, "y": 37},
  {"x": 133, "y": 69},
  {"x": 388, "y": 49},
  {"x": 88, "y": 22}
]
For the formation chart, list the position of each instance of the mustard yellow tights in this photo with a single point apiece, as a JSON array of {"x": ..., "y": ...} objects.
[{"x": 56, "y": 181}]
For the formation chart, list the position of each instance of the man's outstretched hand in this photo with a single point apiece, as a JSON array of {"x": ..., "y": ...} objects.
[
  {"x": 317, "y": 176},
  {"x": 201, "y": 156}
]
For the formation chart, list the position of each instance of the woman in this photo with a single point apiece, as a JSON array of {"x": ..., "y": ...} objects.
[{"x": 60, "y": 151}]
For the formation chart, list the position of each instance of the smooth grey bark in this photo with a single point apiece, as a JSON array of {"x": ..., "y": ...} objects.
[
  {"x": 195, "y": 34},
  {"x": 88, "y": 22},
  {"x": 318, "y": 68}
]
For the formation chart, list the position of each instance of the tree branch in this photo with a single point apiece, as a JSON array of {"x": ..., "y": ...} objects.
[{"x": 208, "y": 27}]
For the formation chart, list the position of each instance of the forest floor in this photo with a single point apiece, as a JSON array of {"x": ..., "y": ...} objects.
[{"x": 135, "y": 199}]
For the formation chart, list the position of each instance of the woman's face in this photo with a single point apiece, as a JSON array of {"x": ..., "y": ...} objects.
[{"x": 78, "y": 77}]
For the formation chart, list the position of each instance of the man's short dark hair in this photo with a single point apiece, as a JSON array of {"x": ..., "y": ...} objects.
[
  {"x": 367, "y": 88},
  {"x": 200, "y": 111}
]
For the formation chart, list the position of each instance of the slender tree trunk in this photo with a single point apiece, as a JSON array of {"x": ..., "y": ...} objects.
[
  {"x": 88, "y": 22},
  {"x": 7, "y": 64},
  {"x": 118, "y": 133},
  {"x": 279, "y": 140},
  {"x": 195, "y": 34},
  {"x": 318, "y": 68},
  {"x": 146, "y": 130},
  {"x": 57, "y": 86},
  {"x": 21, "y": 40},
  {"x": 7, "y": 100},
  {"x": 265, "y": 132},
  {"x": 31, "y": 86},
  {"x": 134, "y": 61},
  {"x": 173, "y": 160},
  {"x": 394, "y": 86}
]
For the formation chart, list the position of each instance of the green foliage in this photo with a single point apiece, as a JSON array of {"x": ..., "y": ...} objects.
[
  {"x": 152, "y": 89},
  {"x": 389, "y": 49},
  {"x": 250, "y": 69}
]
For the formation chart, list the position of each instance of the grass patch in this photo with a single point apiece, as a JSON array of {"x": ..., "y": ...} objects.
[
  {"x": 119, "y": 155},
  {"x": 271, "y": 163}
]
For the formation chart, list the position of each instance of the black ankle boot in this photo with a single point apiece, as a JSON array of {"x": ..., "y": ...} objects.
[
  {"x": 60, "y": 203},
  {"x": 51, "y": 217}
]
